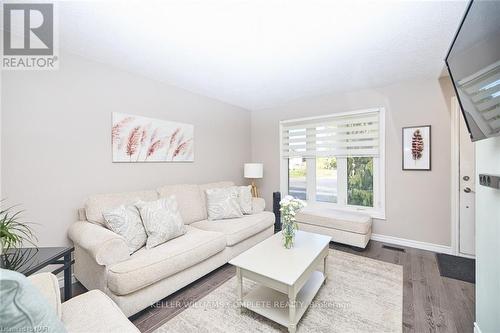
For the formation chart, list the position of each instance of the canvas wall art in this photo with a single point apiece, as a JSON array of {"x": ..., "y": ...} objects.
[
  {"x": 417, "y": 148},
  {"x": 141, "y": 139}
]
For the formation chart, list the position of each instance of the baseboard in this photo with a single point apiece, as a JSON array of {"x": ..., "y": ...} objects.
[
  {"x": 465, "y": 255},
  {"x": 412, "y": 243},
  {"x": 476, "y": 328}
]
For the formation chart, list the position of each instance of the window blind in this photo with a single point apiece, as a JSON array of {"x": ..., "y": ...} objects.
[
  {"x": 345, "y": 135},
  {"x": 483, "y": 91}
]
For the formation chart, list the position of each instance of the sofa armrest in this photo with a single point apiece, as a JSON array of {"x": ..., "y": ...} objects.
[
  {"x": 105, "y": 246},
  {"x": 258, "y": 205},
  {"x": 48, "y": 285}
]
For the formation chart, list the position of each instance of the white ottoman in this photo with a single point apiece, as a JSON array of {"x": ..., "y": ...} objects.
[{"x": 349, "y": 228}]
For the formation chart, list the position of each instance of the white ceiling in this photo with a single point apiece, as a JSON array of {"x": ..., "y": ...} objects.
[{"x": 262, "y": 53}]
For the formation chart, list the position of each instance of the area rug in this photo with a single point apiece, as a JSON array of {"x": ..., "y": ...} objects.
[{"x": 361, "y": 295}]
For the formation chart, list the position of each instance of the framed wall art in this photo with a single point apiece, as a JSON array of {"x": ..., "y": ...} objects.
[
  {"x": 417, "y": 148},
  {"x": 141, "y": 139}
]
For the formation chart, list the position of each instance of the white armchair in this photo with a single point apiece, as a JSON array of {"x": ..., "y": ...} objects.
[{"x": 89, "y": 312}]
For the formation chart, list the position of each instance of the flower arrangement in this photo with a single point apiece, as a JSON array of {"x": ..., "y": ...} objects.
[{"x": 289, "y": 207}]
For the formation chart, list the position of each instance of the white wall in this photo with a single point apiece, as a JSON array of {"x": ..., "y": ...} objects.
[
  {"x": 56, "y": 143},
  {"x": 55, "y": 137},
  {"x": 417, "y": 202},
  {"x": 488, "y": 239}
]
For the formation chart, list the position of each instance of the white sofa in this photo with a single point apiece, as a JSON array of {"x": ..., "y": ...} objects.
[
  {"x": 89, "y": 312},
  {"x": 136, "y": 281}
]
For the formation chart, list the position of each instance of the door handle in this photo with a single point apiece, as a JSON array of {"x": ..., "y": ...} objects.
[{"x": 467, "y": 190}]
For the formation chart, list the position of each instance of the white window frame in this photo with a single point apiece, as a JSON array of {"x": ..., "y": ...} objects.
[{"x": 378, "y": 211}]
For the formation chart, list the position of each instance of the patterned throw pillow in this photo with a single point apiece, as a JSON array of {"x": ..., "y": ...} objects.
[
  {"x": 125, "y": 220},
  {"x": 223, "y": 203},
  {"x": 162, "y": 220},
  {"x": 245, "y": 199}
]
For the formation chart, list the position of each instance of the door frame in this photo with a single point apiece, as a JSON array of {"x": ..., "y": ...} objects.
[{"x": 455, "y": 178}]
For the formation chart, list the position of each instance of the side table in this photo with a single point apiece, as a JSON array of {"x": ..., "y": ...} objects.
[{"x": 30, "y": 260}]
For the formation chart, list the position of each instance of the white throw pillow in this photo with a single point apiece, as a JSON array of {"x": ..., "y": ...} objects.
[
  {"x": 125, "y": 220},
  {"x": 245, "y": 199},
  {"x": 223, "y": 203},
  {"x": 162, "y": 220}
]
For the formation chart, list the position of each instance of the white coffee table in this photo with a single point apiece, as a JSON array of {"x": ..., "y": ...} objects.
[{"x": 288, "y": 279}]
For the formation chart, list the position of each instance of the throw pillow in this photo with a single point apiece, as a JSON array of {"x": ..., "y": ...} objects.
[
  {"x": 222, "y": 203},
  {"x": 162, "y": 220},
  {"x": 125, "y": 220},
  {"x": 245, "y": 199},
  {"x": 23, "y": 308}
]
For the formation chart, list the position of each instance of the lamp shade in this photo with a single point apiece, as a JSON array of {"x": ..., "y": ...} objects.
[{"x": 254, "y": 170}]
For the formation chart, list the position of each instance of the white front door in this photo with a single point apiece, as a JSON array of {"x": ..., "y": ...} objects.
[{"x": 467, "y": 188}]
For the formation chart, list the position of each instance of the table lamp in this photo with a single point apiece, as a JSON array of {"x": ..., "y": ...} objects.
[{"x": 254, "y": 171}]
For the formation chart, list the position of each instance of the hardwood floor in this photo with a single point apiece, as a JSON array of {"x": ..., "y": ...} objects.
[{"x": 431, "y": 303}]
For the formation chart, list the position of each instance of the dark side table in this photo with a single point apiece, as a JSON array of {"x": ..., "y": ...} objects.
[{"x": 31, "y": 260}]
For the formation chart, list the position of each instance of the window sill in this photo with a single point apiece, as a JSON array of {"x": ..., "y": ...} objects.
[{"x": 374, "y": 213}]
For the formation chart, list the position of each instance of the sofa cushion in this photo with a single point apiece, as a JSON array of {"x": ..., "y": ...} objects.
[
  {"x": 333, "y": 218},
  {"x": 222, "y": 184},
  {"x": 146, "y": 267},
  {"x": 98, "y": 203},
  {"x": 189, "y": 199},
  {"x": 239, "y": 229}
]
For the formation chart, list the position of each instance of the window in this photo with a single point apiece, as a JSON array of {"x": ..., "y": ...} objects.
[
  {"x": 297, "y": 177},
  {"x": 360, "y": 181},
  {"x": 326, "y": 179},
  {"x": 336, "y": 160}
]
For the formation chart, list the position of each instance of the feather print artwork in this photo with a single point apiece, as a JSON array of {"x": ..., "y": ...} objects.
[
  {"x": 181, "y": 149},
  {"x": 115, "y": 131},
  {"x": 144, "y": 134},
  {"x": 154, "y": 135},
  {"x": 416, "y": 148},
  {"x": 174, "y": 136},
  {"x": 154, "y": 147},
  {"x": 141, "y": 139},
  {"x": 417, "y": 145},
  {"x": 133, "y": 141}
]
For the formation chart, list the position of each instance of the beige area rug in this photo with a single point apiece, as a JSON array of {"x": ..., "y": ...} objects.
[{"x": 361, "y": 295}]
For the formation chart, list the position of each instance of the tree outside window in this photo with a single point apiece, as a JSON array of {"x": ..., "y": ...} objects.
[{"x": 360, "y": 181}]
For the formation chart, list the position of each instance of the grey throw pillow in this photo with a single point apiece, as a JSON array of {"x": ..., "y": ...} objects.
[
  {"x": 245, "y": 199},
  {"x": 125, "y": 220},
  {"x": 223, "y": 203},
  {"x": 162, "y": 220}
]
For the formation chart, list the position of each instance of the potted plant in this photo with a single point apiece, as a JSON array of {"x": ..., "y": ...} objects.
[
  {"x": 14, "y": 232},
  {"x": 289, "y": 207}
]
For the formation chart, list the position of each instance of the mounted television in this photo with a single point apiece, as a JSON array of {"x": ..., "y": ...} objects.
[{"x": 473, "y": 62}]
